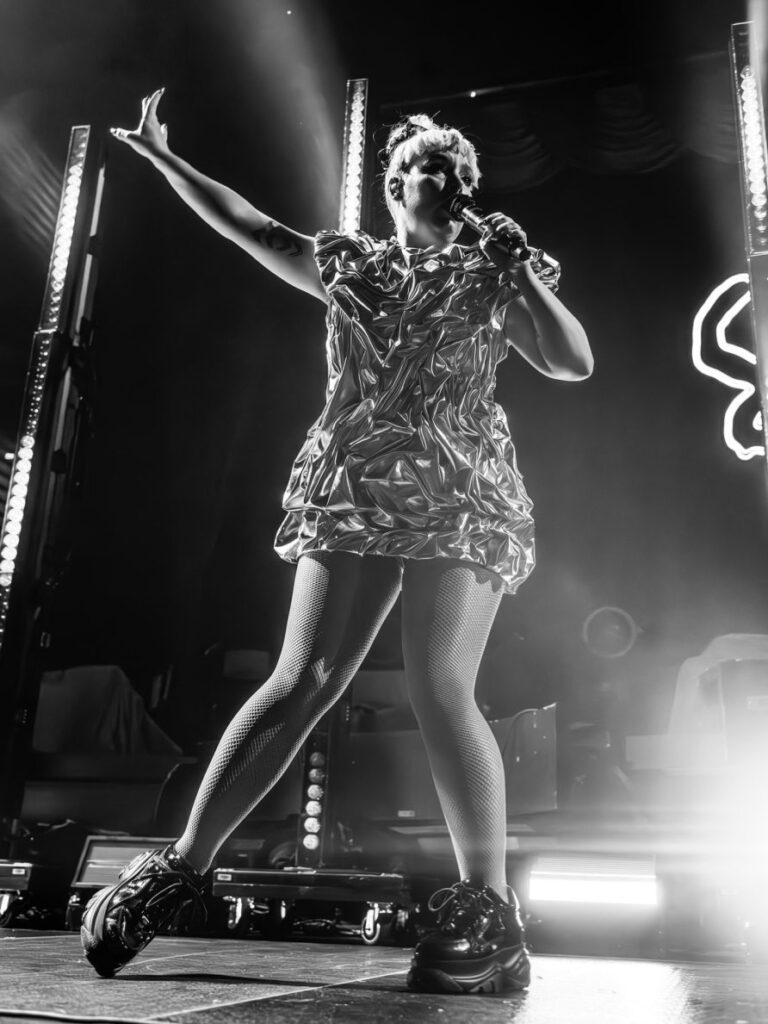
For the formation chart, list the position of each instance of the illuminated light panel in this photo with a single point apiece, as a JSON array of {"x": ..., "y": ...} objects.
[
  {"x": 744, "y": 387},
  {"x": 595, "y": 882},
  {"x": 354, "y": 156},
  {"x": 65, "y": 227},
  {"x": 50, "y": 323},
  {"x": 311, "y": 825},
  {"x": 754, "y": 147},
  {"x": 753, "y": 152},
  {"x": 311, "y": 842}
]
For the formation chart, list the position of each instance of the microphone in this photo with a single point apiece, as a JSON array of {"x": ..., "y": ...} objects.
[{"x": 464, "y": 207}]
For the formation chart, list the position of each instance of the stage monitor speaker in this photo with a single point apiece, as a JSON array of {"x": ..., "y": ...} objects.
[
  {"x": 104, "y": 857},
  {"x": 389, "y": 778}
]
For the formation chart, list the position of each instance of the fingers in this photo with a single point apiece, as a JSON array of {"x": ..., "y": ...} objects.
[
  {"x": 495, "y": 221},
  {"x": 149, "y": 104},
  {"x": 152, "y": 102},
  {"x": 148, "y": 112}
]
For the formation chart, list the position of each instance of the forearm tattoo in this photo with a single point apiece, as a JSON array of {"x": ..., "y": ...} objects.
[{"x": 277, "y": 238}]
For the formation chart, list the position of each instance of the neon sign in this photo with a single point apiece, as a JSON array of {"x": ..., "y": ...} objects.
[{"x": 744, "y": 388}]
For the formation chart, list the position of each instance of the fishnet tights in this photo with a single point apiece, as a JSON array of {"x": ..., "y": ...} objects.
[
  {"x": 448, "y": 611},
  {"x": 339, "y": 602}
]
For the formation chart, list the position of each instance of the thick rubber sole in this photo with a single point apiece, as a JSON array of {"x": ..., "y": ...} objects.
[
  {"x": 481, "y": 977},
  {"x": 106, "y": 956},
  {"x": 99, "y": 951}
]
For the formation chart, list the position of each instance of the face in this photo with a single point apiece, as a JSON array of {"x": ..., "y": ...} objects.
[{"x": 421, "y": 218}]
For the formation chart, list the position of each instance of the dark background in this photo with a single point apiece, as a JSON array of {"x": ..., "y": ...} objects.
[{"x": 210, "y": 371}]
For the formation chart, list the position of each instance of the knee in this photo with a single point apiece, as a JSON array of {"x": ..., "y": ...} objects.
[
  {"x": 437, "y": 697},
  {"x": 313, "y": 682}
]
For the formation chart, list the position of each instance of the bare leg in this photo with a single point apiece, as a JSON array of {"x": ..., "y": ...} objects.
[
  {"x": 448, "y": 610},
  {"x": 339, "y": 602}
]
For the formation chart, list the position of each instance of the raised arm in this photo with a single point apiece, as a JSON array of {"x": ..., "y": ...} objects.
[{"x": 281, "y": 250}]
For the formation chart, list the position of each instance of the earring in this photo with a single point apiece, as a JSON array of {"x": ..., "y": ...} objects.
[{"x": 396, "y": 188}]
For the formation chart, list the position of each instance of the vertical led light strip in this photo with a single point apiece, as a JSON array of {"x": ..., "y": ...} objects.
[
  {"x": 315, "y": 829},
  {"x": 53, "y": 299},
  {"x": 753, "y": 165},
  {"x": 53, "y": 310},
  {"x": 753, "y": 157},
  {"x": 353, "y": 161}
]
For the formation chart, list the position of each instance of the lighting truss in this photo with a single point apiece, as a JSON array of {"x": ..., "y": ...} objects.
[
  {"x": 753, "y": 159},
  {"x": 44, "y": 464}
]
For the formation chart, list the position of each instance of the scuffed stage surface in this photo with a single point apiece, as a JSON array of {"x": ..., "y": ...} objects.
[{"x": 218, "y": 981}]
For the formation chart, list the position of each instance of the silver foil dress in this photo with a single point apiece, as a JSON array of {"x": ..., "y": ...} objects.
[{"x": 411, "y": 457}]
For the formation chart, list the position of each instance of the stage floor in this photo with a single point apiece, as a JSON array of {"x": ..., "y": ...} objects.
[{"x": 222, "y": 981}]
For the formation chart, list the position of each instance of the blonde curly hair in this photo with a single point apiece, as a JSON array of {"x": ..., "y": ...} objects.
[{"x": 414, "y": 136}]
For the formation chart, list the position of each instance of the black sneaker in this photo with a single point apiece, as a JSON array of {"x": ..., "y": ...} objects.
[
  {"x": 120, "y": 920},
  {"x": 478, "y": 948}
]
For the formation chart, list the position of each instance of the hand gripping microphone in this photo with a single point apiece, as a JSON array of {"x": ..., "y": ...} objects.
[{"x": 463, "y": 207}]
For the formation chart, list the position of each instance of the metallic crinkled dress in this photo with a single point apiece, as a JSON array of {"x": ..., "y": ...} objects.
[{"x": 411, "y": 457}]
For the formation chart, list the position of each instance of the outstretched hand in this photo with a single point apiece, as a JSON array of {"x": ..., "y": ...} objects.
[{"x": 151, "y": 137}]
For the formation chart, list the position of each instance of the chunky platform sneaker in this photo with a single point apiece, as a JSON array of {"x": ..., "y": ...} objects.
[
  {"x": 120, "y": 920},
  {"x": 478, "y": 948}
]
